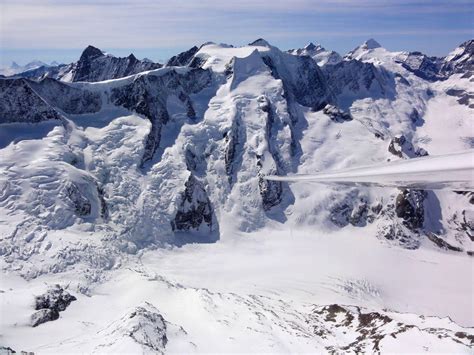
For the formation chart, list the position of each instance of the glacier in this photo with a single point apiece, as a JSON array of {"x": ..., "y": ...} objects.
[{"x": 146, "y": 192}]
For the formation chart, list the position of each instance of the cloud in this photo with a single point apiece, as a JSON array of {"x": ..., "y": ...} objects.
[{"x": 178, "y": 23}]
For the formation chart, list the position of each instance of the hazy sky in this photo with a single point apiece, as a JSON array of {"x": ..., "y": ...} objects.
[{"x": 59, "y": 29}]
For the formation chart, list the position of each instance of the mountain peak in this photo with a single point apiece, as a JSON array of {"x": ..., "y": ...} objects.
[
  {"x": 371, "y": 44},
  {"x": 310, "y": 46},
  {"x": 260, "y": 42},
  {"x": 91, "y": 52}
]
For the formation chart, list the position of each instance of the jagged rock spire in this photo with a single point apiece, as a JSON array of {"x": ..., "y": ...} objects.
[
  {"x": 91, "y": 52},
  {"x": 371, "y": 44}
]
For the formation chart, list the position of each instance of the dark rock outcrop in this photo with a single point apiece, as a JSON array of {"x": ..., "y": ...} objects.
[
  {"x": 366, "y": 331},
  {"x": 148, "y": 328},
  {"x": 43, "y": 316},
  {"x": 464, "y": 98},
  {"x": 401, "y": 147},
  {"x": 68, "y": 98},
  {"x": 48, "y": 305},
  {"x": 20, "y": 103},
  {"x": 359, "y": 80},
  {"x": 354, "y": 210},
  {"x": 409, "y": 206},
  {"x": 95, "y": 65},
  {"x": 183, "y": 58},
  {"x": 460, "y": 61},
  {"x": 305, "y": 81},
  {"x": 144, "y": 325},
  {"x": 82, "y": 205},
  {"x": 195, "y": 210},
  {"x": 270, "y": 191},
  {"x": 427, "y": 68},
  {"x": 6, "y": 350},
  {"x": 23, "y": 100},
  {"x": 442, "y": 243},
  {"x": 231, "y": 151},
  {"x": 336, "y": 114}
]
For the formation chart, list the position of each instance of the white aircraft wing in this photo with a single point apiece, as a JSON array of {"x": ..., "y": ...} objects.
[{"x": 442, "y": 172}]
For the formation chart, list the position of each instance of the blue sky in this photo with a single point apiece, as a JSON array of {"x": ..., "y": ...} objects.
[{"x": 59, "y": 29}]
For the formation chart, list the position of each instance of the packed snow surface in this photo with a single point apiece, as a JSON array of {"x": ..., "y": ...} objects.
[{"x": 252, "y": 293}]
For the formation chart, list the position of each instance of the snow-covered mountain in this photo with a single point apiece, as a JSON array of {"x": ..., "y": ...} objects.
[
  {"x": 93, "y": 65},
  {"x": 14, "y": 68},
  {"x": 111, "y": 166},
  {"x": 428, "y": 68},
  {"x": 319, "y": 54}
]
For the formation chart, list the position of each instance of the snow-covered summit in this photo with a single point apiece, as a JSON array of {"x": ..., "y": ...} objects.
[
  {"x": 318, "y": 53},
  {"x": 15, "y": 68},
  {"x": 260, "y": 42},
  {"x": 369, "y": 49},
  {"x": 461, "y": 60}
]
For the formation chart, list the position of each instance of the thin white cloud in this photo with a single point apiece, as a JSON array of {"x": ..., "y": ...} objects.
[{"x": 165, "y": 23}]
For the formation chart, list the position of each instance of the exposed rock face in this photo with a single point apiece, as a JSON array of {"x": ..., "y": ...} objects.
[
  {"x": 409, "y": 206},
  {"x": 358, "y": 78},
  {"x": 402, "y": 220},
  {"x": 29, "y": 101},
  {"x": 183, "y": 58},
  {"x": 147, "y": 95},
  {"x": 95, "y": 65},
  {"x": 20, "y": 103},
  {"x": 366, "y": 331},
  {"x": 442, "y": 243},
  {"x": 425, "y": 67},
  {"x": 401, "y": 147},
  {"x": 271, "y": 192},
  {"x": 305, "y": 81},
  {"x": 354, "y": 209},
  {"x": 43, "y": 316},
  {"x": 143, "y": 325},
  {"x": 48, "y": 305},
  {"x": 231, "y": 150},
  {"x": 195, "y": 210},
  {"x": 6, "y": 350},
  {"x": 81, "y": 204},
  {"x": 461, "y": 60},
  {"x": 467, "y": 223},
  {"x": 464, "y": 98},
  {"x": 66, "y": 97},
  {"x": 336, "y": 115}
]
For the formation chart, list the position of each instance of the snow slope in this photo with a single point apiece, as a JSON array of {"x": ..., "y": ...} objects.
[
  {"x": 212, "y": 301},
  {"x": 157, "y": 180}
]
